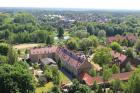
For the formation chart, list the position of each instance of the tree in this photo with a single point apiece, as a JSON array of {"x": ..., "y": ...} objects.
[
  {"x": 116, "y": 46},
  {"x": 12, "y": 56},
  {"x": 95, "y": 86},
  {"x": 85, "y": 43},
  {"x": 133, "y": 84},
  {"x": 102, "y": 56},
  {"x": 106, "y": 75},
  {"x": 72, "y": 44},
  {"x": 79, "y": 88},
  {"x": 129, "y": 53},
  {"x": 3, "y": 59},
  {"x": 137, "y": 45},
  {"x": 4, "y": 49},
  {"x": 90, "y": 29},
  {"x": 101, "y": 34},
  {"x": 49, "y": 40},
  {"x": 115, "y": 69},
  {"x": 60, "y": 31},
  {"x": 94, "y": 40},
  {"x": 16, "y": 79},
  {"x": 92, "y": 72},
  {"x": 116, "y": 85},
  {"x": 128, "y": 67}
]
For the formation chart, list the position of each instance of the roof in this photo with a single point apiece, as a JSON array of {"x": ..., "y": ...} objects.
[
  {"x": 118, "y": 55},
  {"x": 90, "y": 80},
  {"x": 43, "y": 50},
  {"x": 130, "y": 37},
  {"x": 47, "y": 61},
  {"x": 73, "y": 59}
]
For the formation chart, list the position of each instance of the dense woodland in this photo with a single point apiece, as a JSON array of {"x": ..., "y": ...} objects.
[{"x": 86, "y": 34}]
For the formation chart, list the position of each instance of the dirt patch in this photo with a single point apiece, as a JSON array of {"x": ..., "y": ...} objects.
[{"x": 26, "y": 46}]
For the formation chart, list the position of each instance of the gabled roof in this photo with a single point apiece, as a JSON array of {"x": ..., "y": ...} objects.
[
  {"x": 99, "y": 80},
  {"x": 73, "y": 59},
  {"x": 130, "y": 37},
  {"x": 118, "y": 55},
  {"x": 42, "y": 50}
]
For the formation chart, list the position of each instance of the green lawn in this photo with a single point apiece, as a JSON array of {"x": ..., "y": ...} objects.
[
  {"x": 64, "y": 78},
  {"x": 45, "y": 88},
  {"x": 50, "y": 85}
]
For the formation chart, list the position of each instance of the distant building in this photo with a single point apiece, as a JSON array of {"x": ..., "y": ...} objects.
[{"x": 118, "y": 38}]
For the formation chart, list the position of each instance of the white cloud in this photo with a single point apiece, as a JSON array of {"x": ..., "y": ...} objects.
[{"x": 99, "y": 4}]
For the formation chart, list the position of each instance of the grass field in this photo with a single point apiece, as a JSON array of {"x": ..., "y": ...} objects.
[
  {"x": 45, "y": 88},
  {"x": 27, "y": 46}
]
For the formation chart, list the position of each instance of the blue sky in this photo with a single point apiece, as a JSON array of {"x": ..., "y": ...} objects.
[{"x": 97, "y": 4}]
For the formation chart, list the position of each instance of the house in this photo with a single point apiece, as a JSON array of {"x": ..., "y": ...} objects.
[
  {"x": 119, "y": 59},
  {"x": 74, "y": 63},
  {"x": 118, "y": 38},
  {"x": 99, "y": 80},
  {"x": 36, "y": 54}
]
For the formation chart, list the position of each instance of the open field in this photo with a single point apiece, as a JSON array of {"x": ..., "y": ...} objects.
[
  {"x": 45, "y": 88},
  {"x": 27, "y": 46}
]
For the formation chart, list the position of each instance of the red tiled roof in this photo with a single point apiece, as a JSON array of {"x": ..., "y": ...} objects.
[
  {"x": 76, "y": 63},
  {"x": 118, "y": 55},
  {"x": 43, "y": 50},
  {"x": 90, "y": 80},
  {"x": 117, "y": 38}
]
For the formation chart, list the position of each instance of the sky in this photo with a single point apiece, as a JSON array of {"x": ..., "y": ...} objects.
[{"x": 95, "y": 4}]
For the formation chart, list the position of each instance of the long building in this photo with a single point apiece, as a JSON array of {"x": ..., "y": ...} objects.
[{"x": 74, "y": 63}]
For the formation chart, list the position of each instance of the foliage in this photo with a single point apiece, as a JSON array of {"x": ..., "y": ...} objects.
[
  {"x": 79, "y": 88},
  {"x": 116, "y": 46},
  {"x": 116, "y": 85},
  {"x": 92, "y": 72},
  {"x": 4, "y": 49},
  {"x": 115, "y": 69},
  {"x": 60, "y": 31},
  {"x": 129, "y": 53},
  {"x": 102, "y": 56},
  {"x": 128, "y": 67},
  {"x": 72, "y": 44},
  {"x": 15, "y": 79}
]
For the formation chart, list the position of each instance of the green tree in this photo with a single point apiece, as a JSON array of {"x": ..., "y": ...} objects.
[
  {"x": 106, "y": 75},
  {"x": 129, "y": 53},
  {"x": 116, "y": 86},
  {"x": 137, "y": 45},
  {"x": 102, "y": 56},
  {"x": 101, "y": 34},
  {"x": 133, "y": 84},
  {"x": 95, "y": 86},
  {"x": 92, "y": 72},
  {"x": 72, "y": 44},
  {"x": 116, "y": 46},
  {"x": 90, "y": 29},
  {"x": 115, "y": 69},
  {"x": 16, "y": 79},
  {"x": 49, "y": 40},
  {"x": 60, "y": 31},
  {"x": 128, "y": 67},
  {"x": 3, "y": 59},
  {"x": 12, "y": 56},
  {"x": 4, "y": 49}
]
